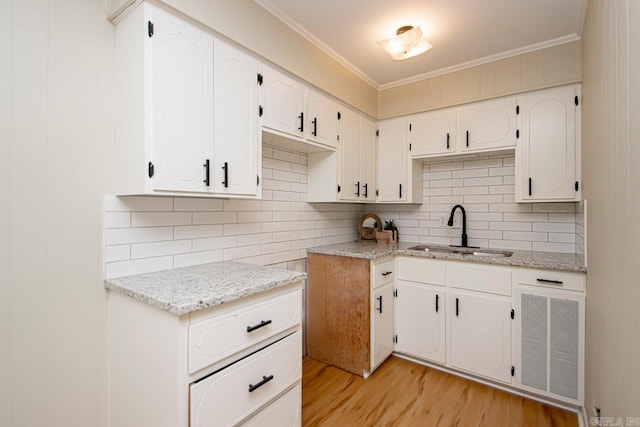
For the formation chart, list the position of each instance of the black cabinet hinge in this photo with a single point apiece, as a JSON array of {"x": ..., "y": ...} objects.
[
  {"x": 377, "y": 192},
  {"x": 257, "y": 179},
  {"x": 576, "y": 100},
  {"x": 150, "y": 28},
  {"x": 260, "y": 111},
  {"x": 409, "y": 127},
  {"x": 517, "y": 133},
  {"x": 151, "y": 170},
  {"x": 395, "y": 339},
  {"x": 339, "y": 115},
  {"x": 517, "y": 109},
  {"x": 409, "y": 146},
  {"x": 395, "y": 293},
  {"x": 339, "y": 188},
  {"x": 513, "y": 313},
  {"x": 259, "y": 79},
  {"x": 577, "y": 186},
  {"x": 377, "y": 132},
  {"x": 513, "y": 371}
]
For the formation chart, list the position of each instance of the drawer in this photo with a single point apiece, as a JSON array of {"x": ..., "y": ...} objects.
[
  {"x": 382, "y": 273},
  {"x": 422, "y": 270},
  {"x": 482, "y": 278},
  {"x": 550, "y": 279},
  {"x": 284, "y": 412},
  {"x": 225, "y": 398},
  {"x": 221, "y": 336}
]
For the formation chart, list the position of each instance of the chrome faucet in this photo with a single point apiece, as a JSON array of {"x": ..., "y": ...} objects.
[{"x": 463, "y": 243}]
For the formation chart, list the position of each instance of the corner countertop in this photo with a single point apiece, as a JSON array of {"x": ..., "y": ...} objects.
[
  {"x": 188, "y": 289},
  {"x": 530, "y": 259}
]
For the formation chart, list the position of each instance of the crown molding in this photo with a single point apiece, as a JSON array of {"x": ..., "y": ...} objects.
[
  {"x": 481, "y": 61},
  {"x": 287, "y": 20}
]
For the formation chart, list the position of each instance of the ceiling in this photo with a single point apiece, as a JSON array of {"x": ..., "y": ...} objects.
[{"x": 463, "y": 32}]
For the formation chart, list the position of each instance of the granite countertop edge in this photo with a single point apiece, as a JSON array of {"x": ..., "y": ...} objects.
[
  {"x": 190, "y": 295},
  {"x": 375, "y": 251}
]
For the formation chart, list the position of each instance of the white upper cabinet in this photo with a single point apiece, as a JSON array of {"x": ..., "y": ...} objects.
[
  {"x": 283, "y": 103},
  {"x": 322, "y": 119},
  {"x": 433, "y": 133},
  {"x": 351, "y": 185},
  {"x": 392, "y": 160},
  {"x": 367, "y": 160},
  {"x": 237, "y": 149},
  {"x": 487, "y": 125},
  {"x": 547, "y": 154},
  {"x": 186, "y": 104}
]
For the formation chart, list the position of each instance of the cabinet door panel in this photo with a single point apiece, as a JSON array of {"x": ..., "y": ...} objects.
[
  {"x": 490, "y": 124},
  {"x": 350, "y": 156},
  {"x": 420, "y": 321},
  {"x": 433, "y": 133},
  {"x": 182, "y": 103},
  {"x": 236, "y": 121},
  {"x": 284, "y": 103},
  {"x": 367, "y": 159},
  {"x": 564, "y": 344},
  {"x": 382, "y": 314},
  {"x": 547, "y": 150},
  {"x": 322, "y": 119},
  {"x": 481, "y": 335},
  {"x": 392, "y": 160}
]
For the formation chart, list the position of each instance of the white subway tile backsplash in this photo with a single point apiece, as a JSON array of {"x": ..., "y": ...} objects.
[
  {"x": 214, "y": 243},
  {"x": 255, "y": 217},
  {"x": 215, "y": 217},
  {"x": 154, "y": 219},
  {"x": 148, "y": 250},
  {"x": 117, "y": 219},
  {"x": 117, "y": 253},
  {"x": 562, "y": 238},
  {"x": 241, "y": 205},
  {"x": 524, "y": 235},
  {"x": 196, "y": 258},
  {"x": 196, "y": 231},
  {"x": 241, "y": 252},
  {"x": 254, "y": 239},
  {"x": 120, "y": 236},
  {"x": 137, "y": 203},
  {"x": 554, "y": 247},
  {"x": 196, "y": 204},
  {"x": 558, "y": 227},
  {"x": 469, "y": 173},
  {"x": 138, "y": 266},
  {"x": 244, "y": 228}
]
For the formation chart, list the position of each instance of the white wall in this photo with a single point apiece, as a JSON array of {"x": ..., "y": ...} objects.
[
  {"x": 611, "y": 155},
  {"x": 144, "y": 234},
  {"x": 485, "y": 187},
  {"x": 56, "y": 80}
]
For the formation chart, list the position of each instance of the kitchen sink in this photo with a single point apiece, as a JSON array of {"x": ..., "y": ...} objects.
[{"x": 489, "y": 253}]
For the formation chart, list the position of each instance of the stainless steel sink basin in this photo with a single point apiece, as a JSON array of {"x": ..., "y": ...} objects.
[{"x": 489, "y": 253}]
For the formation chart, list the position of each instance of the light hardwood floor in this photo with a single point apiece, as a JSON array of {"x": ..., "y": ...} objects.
[{"x": 403, "y": 393}]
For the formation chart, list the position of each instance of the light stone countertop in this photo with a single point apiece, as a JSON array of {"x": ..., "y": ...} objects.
[
  {"x": 184, "y": 290},
  {"x": 530, "y": 259}
]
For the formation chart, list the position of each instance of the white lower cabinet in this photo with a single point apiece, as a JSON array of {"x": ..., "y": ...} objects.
[
  {"x": 520, "y": 327},
  {"x": 481, "y": 334},
  {"x": 382, "y": 319},
  {"x": 420, "y": 320},
  {"x": 284, "y": 412}
]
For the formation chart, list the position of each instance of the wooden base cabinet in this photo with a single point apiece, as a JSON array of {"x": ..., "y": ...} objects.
[{"x": 349, "y": 312}]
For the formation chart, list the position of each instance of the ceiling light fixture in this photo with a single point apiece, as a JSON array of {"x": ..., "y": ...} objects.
[{"x": 409, "y": 42}]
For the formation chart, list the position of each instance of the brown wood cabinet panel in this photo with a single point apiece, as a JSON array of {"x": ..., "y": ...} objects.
[{"x": 338, "y": 316}]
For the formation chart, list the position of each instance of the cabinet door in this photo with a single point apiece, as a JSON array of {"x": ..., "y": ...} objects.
[
  {"x": 322, "y": 119},
  {"x": 546, "y": 152},
  {"x": 481, "y": 335},
  {"x": 550, "y": 343},
  {"x": 283, "y": 103},
  {"x": 486, "y": 125},
  {"x": 392, "y": 160},
  {"x": 182, "y": 103},
  {"x": 420, "y": 321},
  {"x": 236, "y": 152},
  {"x": 350, "y": 156},
  {"x": 367, "y": 160},
  {"x": 382, "y": 318},
  {"x": 433, "y": 133}
]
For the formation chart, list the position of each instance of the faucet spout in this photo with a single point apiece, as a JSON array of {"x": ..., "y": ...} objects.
[{"x": 463, "y": 241}]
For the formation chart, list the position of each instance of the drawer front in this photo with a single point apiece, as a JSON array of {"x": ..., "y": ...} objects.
[
  {"x": 284, "y": 412},
  {"x": 495, "y": 280},
  {"x": 220, "y": 336},
  {"x": 550, "y": 279},
  {"x": 382, "y": 273},
  {"x": 422, "y": 270},
  {"x": 225, "y": 398}
]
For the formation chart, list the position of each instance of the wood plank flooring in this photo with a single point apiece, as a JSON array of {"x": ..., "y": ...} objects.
[{"x": 403, "y": 393}]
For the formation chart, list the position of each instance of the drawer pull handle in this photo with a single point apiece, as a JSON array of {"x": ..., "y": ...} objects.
[
  {"x": 386, "y": 273},
  {"x": 554, "y": 282},
  {"x": 258, "y": 326},
  {"x": 265, "y": 380},
  {"x": 437, "y": 302},
  {"x": 457, "y": 307}
]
